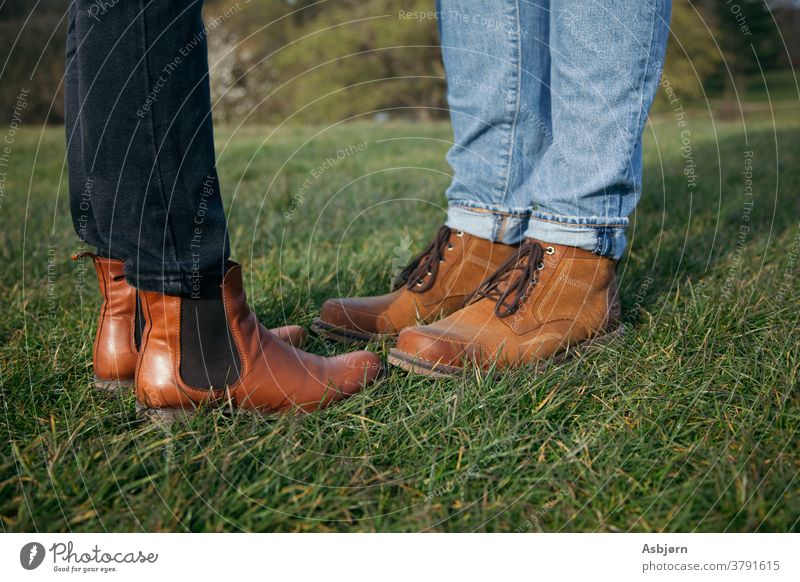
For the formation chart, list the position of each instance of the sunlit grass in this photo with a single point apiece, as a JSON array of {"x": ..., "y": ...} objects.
[{"x": 688, "y": 422}]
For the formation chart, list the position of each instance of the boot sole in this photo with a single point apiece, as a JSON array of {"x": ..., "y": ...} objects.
[
  {"x": 169, "y": 414},
  {"x": 423, "y": 367},
  {"x": 165, "y": 416},
  {"x": 112, "y": 385},
  {"x": 343, "y": 335}
]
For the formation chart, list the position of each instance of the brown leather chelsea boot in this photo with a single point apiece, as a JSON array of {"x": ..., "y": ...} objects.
[
  {"x": 435, "y": 284},
  {"x": 116, "y": 342},
  {"x": 543, "y": 301},
  {"x": 115, "y": 352},
  {"x": 263, "y": 374}
]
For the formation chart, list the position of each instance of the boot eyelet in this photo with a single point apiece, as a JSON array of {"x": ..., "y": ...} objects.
[
  {"x": 419, "y": 283},
  {"x": 450, "y": 247},
  {"x": 460, "y": 233},
  {"x": 539, "y": 266},
  {"x": 429, "y": 274},
  {"x": 549, "y": 250}
]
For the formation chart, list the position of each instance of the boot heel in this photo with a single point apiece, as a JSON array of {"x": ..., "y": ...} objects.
[{"x": 111, "y": 386}]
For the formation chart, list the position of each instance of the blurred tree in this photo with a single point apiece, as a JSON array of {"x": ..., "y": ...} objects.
[
  {"x": 787, "y": 17},
  {"x": 32, "y": 37},
  {"x": 326, "y": 60},
  {"x": 749, "y": 39},
  {"x": 692, "y": 53},
  {"x": 241, "y": 40}
]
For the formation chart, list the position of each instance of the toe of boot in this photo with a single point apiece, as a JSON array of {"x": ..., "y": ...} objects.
[
  {"x": 344, "y": 313},
  {"x": 432, "y": 347},
  {"x": 355, "y": 371},
  {"x": 294, "y": 335},
  {"x": 342, "y": 377},
  {"x": 364, "y": 316}
]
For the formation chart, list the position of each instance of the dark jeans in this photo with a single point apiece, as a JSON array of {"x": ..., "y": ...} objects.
[{"x": 140, "y": 149}]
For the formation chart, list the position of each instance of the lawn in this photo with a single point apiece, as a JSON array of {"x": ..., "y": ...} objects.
[{"x": 687, "y": 423}]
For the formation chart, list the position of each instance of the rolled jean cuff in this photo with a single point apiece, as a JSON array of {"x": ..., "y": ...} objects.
[
  {"x": 503, "y": 226},
  {"x": 602, "y": 236}
]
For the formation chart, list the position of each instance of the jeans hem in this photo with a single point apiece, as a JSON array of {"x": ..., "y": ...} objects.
[
  {"x": 497, "y": 225},
  {"x": 159, "y": 284},
  {"x": 195, "y": 286},
  {"x": 601, "y": 236}
]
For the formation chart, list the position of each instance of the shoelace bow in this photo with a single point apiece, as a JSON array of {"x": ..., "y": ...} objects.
[
  {"x": 500, "y": 287},
  {"x": 424, "y": 264}
]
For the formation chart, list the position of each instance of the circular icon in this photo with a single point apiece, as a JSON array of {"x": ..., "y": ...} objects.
[{"x": 31, "y": 555}]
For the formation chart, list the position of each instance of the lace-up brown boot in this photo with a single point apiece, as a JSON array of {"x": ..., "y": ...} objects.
[
  {"x": 267, "y": 375},
  {"x": 435, "y": 284},
  {"x": 116, "y": 342},
  {"x": 543, "y": 301}
]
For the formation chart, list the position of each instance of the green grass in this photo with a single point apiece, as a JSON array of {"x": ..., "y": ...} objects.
[{"x": 689, "y": 422}]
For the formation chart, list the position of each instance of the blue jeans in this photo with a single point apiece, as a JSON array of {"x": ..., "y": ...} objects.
[{"x": 548, "y": 100}]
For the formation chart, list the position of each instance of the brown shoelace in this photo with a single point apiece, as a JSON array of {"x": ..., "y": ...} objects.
[
  {"x": 507, "y": 293},
  {"x": 426, "y": 264}
]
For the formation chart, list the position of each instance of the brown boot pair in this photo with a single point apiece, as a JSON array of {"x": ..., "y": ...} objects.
[
  {"x": 435, "y": 284},
  {"x": 489, "y": 305},
  {"x": 463, "y": 301},
  {"x": 272, "y": 374}
]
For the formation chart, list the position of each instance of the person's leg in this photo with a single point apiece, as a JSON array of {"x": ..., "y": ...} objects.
[
  {"x": 497, "y": 62},
  {"x": 147, "y": 156},
  {"x": 606, "y": 64},
  {"x": 496, "y": 59},
  {"x": 79, "y": 190},
  {"x": 560, "y": 290},
  {"x": 118, "y": 328},
  {"x": 148, "y": 165}
]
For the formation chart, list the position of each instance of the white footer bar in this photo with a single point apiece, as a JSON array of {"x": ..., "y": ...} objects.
[{"x": 407, "y": 557}]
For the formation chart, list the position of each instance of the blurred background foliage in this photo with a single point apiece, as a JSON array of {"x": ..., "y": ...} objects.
[{"x": 276, "y": 61}]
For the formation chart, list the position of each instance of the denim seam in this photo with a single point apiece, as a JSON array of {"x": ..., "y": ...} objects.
[
  {"x": 502, "y": 223},
  {"x": 152, "y": 135},
  {"x": 518, "y": 67},
  {"x": 641, "y": 112},
  {"x": 512, "y": 110},
  {"x": 589, "y": 225},
  {"x": 604, "y": 236},
  {"x": 489, "y": 209}
]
